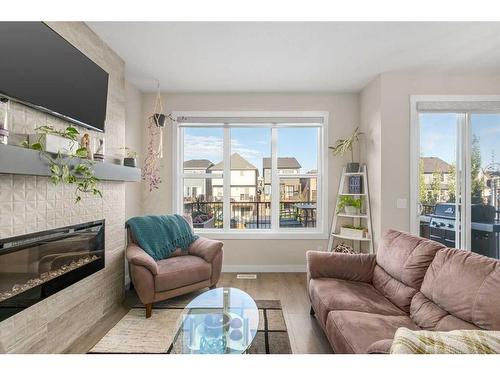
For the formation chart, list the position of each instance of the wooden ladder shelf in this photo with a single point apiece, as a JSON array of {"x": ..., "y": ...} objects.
[{"x": 363, "y": 217}]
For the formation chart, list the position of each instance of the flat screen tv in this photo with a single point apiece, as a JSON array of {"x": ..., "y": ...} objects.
[{"x": 41, "y": 69}]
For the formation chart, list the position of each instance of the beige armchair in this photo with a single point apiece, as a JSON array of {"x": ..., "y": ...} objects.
[{"x": 181, "y": 273}]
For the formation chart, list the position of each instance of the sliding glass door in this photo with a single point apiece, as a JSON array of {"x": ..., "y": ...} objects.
[
  {"x": 484, "y": 178},
  {"x": 458, "y": 200},
  {"x": 439, "y": 160}
]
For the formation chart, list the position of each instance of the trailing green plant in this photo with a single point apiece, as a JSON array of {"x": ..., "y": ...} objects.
[
  {"x": 346, "y": 200},
  {"x": 343, "y": 146},
  {"x": 68, "y": 166}
]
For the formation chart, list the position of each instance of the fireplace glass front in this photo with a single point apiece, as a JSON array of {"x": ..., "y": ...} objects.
[{"x": 35, "y": 266}]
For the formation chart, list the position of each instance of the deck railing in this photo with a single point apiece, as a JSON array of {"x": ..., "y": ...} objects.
[
  {"x": 252, "y": 215},
  {"x": 428, "y": 209}
]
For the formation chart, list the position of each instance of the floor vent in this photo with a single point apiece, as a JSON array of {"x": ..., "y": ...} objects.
[{"x": 246, "y": 276}]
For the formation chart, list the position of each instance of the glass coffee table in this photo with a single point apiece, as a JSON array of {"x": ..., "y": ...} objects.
[{"x": 219, "y": 321}]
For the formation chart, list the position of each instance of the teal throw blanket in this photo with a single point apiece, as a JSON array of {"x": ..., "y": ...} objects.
[{"x": 160, "y": 236}]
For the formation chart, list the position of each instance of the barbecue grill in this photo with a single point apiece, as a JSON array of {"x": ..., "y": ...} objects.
[{"x": 485, "y": 229}]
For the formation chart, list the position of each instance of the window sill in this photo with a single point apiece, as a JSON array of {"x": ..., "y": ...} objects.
[{"x": 261, "y": 235}]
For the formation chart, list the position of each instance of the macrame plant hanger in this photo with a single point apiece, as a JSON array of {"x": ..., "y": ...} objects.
[
  {"x": 154, "y": 152},
  {"x": 159, "y": 119}
]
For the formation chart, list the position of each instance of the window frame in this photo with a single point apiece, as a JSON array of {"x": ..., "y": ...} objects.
[{"x": 318, "y": 232}]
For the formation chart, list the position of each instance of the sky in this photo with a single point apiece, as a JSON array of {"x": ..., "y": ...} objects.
[
  {"x": 253, "y": 144},
  {"x": 438, "y": 135}
]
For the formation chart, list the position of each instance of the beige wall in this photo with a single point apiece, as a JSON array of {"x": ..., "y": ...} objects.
[
  {"x": 371, "y": 151},
  {"x": 135, "y": 128},
  {"x": 396, "y": 89},
  {"x": 31, "y": 203},
  {"x": 272, "y": 254}
]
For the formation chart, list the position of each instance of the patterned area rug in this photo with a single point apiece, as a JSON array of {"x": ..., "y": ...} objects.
[{"x": 134, "y": 334}]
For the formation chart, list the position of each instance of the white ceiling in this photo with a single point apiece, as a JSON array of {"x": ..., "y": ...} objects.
[{"x": 294, "y": 56}]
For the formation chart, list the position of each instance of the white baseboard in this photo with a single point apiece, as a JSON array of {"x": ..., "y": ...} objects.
[{"x": 264, "y": 268}]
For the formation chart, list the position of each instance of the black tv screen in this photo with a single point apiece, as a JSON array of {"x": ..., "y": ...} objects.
[{"x": 41, "y": 69}]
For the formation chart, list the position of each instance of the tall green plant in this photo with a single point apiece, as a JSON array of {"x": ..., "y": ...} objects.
[
  {"x": 62, "y": 165},
  {"x": 343, "y": 146}
]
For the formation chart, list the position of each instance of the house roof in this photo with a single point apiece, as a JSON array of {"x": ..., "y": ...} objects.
[
  {"x": 238, "y": 162},
  {"x": 197, "y": 164},
  {"x": 283, "y": 163},
  {"x": 435, "y": 165}
]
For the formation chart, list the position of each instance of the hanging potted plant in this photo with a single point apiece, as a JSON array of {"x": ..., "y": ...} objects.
[
  {"x": 154, "y": 151},
  {"x": 343, "y": 146}
]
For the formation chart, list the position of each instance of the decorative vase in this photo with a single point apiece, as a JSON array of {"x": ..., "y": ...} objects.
[
  {"x": 99, "y": 154},
  {"x": 352, "y": 167}
]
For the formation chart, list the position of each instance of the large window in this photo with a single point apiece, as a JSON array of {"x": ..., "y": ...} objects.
[{"x": 248, "y": 173}]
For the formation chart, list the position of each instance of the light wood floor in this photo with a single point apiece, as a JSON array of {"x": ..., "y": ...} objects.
[{"x": 306, "y": 336}]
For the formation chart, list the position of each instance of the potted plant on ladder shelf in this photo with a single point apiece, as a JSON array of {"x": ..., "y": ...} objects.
[
  {"x": 343, "y": 146},
  {"x": 350, "y": 205},
  {"x": 353, "y": 231}
]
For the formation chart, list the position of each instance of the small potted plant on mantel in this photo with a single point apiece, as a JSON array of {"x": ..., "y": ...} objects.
[
  {"x": 343, "y": 146},
  {"x": 349, "y": 204},
  {"x": 353, "y": 231},
  {"x": 131, "y": 159}
]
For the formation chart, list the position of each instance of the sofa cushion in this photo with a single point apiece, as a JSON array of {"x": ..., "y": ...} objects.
[
  {"x": 335, "y": 294},
  {"x": 465, "y": 285},
  {"x": 355, "y": 331},
  {"x": 394, "y": 290},
  {"x": 450, "y": 323},
  {"x": 380, "y": 347},
  {"x": 425, "y": 313},
  {"x": 181, "y": 271},
  {"x": 404, "y": 258}
]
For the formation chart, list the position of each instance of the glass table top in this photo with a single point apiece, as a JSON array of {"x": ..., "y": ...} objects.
[{"x": 219, "y": 321}]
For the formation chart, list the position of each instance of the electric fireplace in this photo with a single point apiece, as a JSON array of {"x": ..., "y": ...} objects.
[{"x": 35, "y": 266}]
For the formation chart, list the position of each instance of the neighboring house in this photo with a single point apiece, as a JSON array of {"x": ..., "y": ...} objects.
[
  {"x": 244, "y": 177},
  {"x": 194, "y": 187},
  {"x": 432, "y": 168},
  {"x": 290, "y": 188}
]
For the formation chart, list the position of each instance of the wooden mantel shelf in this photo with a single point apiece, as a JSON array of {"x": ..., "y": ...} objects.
[{"x": 19, "y": 160}]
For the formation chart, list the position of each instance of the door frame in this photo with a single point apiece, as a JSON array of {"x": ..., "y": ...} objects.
[{"x": 463, "y": 152}]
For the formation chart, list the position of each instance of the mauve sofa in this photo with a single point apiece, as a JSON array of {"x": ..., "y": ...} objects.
[
  {"x": 181, "y": 273},
  {"x": 361, "y": 300}
]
